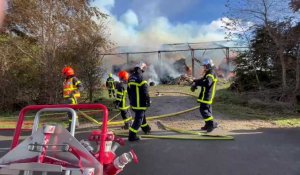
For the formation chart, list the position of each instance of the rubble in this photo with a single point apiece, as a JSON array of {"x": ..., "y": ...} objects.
[
  {"x": 181, "y": 80},
  {"x": 185, "y": 80}
]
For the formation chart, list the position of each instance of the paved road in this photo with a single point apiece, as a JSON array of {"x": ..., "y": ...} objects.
[
  {"x": 264, "y": 152},
  {"x": 259, "y": 152}
]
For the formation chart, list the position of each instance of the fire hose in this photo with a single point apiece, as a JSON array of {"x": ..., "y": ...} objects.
[
  {"x": 188, "y": 135},
  {"x": 179, "y": 137},
  {"x": 185, "y": 135},
  {"x": 119, "y": 123}
]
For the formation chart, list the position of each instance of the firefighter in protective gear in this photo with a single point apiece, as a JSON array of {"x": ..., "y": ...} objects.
[
  {"x": 110, "y": 84},
  {"x": 121, "y": 101},
  {"x": 139, "y": 101},
  {"x": 208, "y": 88},
  {"x": 71, "y": 89}
]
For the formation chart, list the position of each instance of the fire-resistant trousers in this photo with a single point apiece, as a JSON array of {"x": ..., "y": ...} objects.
[
  {"x": 139, "y": 119},
  {"x": 126, "y": 116},
  {"x": 205, "y": 110}
]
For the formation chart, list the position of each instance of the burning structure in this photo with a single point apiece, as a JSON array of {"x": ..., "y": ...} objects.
[
  {"x": 173, "y": 63},
  {"x": 162, "y": 72}
]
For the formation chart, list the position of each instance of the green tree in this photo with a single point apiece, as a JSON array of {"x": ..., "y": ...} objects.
[{"x": 44, "y": 36}]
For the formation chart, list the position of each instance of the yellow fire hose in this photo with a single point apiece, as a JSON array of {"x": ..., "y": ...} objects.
[
  {"x": 184, "y": 135},
  {"x": 188, "y": 135},
  {"x": 181, "y": 131},
  {"x": 177, "y": 137},
  {"x": 95, "y": 121},
  {"x": 119, "y": 123}
]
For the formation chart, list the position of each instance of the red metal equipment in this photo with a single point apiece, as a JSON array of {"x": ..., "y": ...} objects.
[{"x": 53, "y": 149}]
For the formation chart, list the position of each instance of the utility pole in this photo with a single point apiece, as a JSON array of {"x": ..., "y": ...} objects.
[
  {"x": 127, "y": 58},
  {"x": 193, "y": 62},
  {"x": 159, "y": 61},
  {"x": 193, "y": 59},
  {"x": 227, "y": 62}
]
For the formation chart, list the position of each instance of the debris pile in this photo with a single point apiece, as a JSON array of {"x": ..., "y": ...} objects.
[
  {"x": 181, "y": 80},
  {"x": 185, "y": 80}
]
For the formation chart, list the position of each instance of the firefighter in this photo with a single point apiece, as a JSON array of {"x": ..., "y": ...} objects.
[
  {"x": 208, "y": 88},
  {"x": 139, "y": 101},
  {"x": 121, "y": 100},
  {"x": 110, "y": 84},
  {"x": 71, "y": 89}
]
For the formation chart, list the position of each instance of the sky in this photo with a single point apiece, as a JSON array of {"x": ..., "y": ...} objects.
[{"x": 154, "y": 22}]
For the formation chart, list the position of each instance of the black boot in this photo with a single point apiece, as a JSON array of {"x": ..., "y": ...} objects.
[
  {"x": 132, "y": 137},
  {"x": 211, "y": 126},
  {"x": 146, "y": 129},
  {"x": 204, "y": 128}
]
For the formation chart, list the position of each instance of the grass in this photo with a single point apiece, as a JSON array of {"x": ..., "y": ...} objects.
[
  {"x": 293, "y": 122},
  {"x": 236, "y": 106},
  {"x": 9, "y": 120},
  {"x": 227, "y": 103}
]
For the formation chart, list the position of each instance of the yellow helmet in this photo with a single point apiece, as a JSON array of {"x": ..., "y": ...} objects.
[{"x": 110, "y": 75}]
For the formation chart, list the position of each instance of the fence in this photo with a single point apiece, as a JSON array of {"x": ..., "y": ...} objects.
[{"x": 172, "y": 60}]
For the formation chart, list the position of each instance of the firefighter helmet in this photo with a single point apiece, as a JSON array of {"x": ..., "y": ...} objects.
[
  {"x": 208, "y": 63},
  {"x": 68, "y": 71},
  {"x": 141, "y": 65},
  {"x": 110, "y": 75},
  {"x": 123, "y": 75}
]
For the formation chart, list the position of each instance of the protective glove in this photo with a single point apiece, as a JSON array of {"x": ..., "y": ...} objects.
[
  {"x": 193, "y": 88},
  {"x": 148, "y": 103}
]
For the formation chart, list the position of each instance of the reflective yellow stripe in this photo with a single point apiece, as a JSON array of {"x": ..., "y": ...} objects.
[
  {"x": 211, "y": 76},
  {"x": 213, "y": 91},
  {"x": 120, "y": 93},
  {"x": 69, "y": 89},
  {"x": 209, "y": 119},
  {"x": 139, "y": 108},
  {"x": 206, "y": 102},
  {"x": 133, "y": 130},
  {"x": 138, "y": 94},
  {"x": 144, "y": 125},
  {"x": 119, "y": 99},
  {"x": 128, "y": 119},
  {"x": 137, "y": 97},
  {"x": 124, "y": 108},
  {"x": 73, "y": 101},
  {"x": 124, "y": 100},
  {"x": 204, "y": 89},
  {"x": 138, "y": 84},
  {"x": 112, "y": 84},
  {"x": 78, "y": 82}
]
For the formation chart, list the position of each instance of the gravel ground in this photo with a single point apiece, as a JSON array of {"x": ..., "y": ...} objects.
[{"x": 171, "y": 103}]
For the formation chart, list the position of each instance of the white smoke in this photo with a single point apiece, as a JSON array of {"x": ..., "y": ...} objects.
[
  {"x": 159, "y": 70},
  {"x": 150, "y": 29},
  {"x": 147, "y": 28}
]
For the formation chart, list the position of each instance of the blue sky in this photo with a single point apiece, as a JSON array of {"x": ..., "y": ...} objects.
[
  {"x": 182, "y": 11},
  {"x": 154, "y": 22}
]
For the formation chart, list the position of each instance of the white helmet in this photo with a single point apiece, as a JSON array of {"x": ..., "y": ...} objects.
[
  {"x": 208, "y": 63},
  {"x": 141, "y": 65}
]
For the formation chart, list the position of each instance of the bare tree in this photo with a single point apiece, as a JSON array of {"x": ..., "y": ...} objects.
[
  {"x": 295, "y": 5},
  {"x": 251, "y": 14}
]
